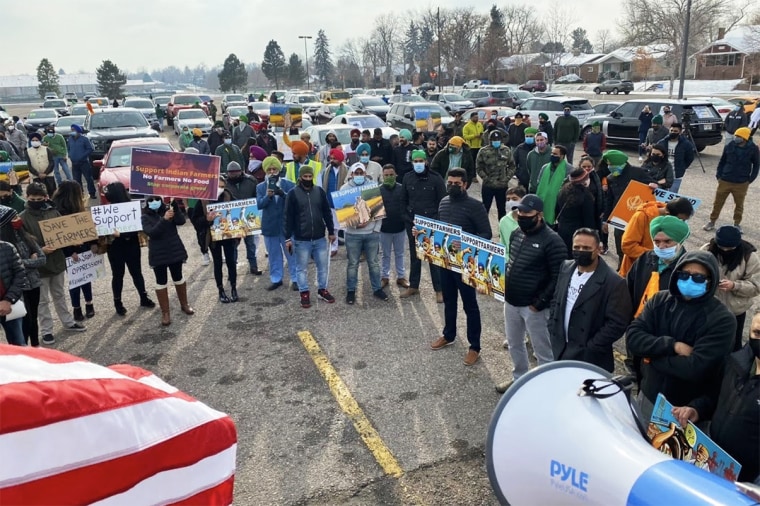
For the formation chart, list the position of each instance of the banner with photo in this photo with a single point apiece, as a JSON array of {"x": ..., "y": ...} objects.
[
  {"x": 438, "y": 243},
  {"x": 483, "y": 265},
  {"x": 174, "y": 174},
  {"x": 124, "y": 217},
  {"x": 358, "y": 205},
  {"x": 235, "y": 219},
  {"x": 286, "y": 115},
  {"x": 88, "y": 267}
]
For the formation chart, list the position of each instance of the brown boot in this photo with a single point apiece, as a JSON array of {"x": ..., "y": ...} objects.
[
  {"x": 182, "y": 296},
  {"x": 163, "y": 302},
  {"x": 409, "y": 292},
  {"x": 439, "y": 297}
]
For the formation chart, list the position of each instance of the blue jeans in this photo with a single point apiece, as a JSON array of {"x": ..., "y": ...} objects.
[
  {"x": 355, "y": 245},
  {"x": 395, "y": 242},
  {"x": 676, "y": 185},
  {"x": 642, "y": 140},
  {"x": 250, "y": 251},
  {"x": 83, "y": 168},
  {"x": 316, "y": 249},
  {"x": 61, "y": 160},
  {"x": 275, "y": 246},
  {"x": 14, "y": 332}
]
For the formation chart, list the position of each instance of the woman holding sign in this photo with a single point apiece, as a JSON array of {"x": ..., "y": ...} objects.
[{"x": 166, "y": 252}]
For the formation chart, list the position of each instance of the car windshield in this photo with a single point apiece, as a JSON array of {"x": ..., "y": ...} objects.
[
  {"x": 186, "y": 99},
  {"x": 435, "y": 107},
  {"x": 235, "y": 98},
  {"x": 121, "y": 119},
  {"x": 340, "y": 95},
  {"x": 372, "y": 102},
  {"x": 79, "y": 110},
  {"x": 521, "y": 94},
  {"x": 122, "y": 155},
  {"x": 41, "y": 114},
  {"x": 162, "y": 100},
  {"x": 307, "y": 99},
  {"x": 260, "y": 106},
  {"x": 139, "y": 104},
  {"x": 704, "y": 112},
  {"x": 453, "y": 97},
  {"x": 369, "y": 121},
  {"x": 411, "y": 98},
  {"x": 235, "y": 112},
  {"x": 334, "y": 107},
  {"x": 577, "y": 105},
  {"x": 55, "y": 103},
  {"x": 379, "y": 92},
  {"x": 191, "y": 114},
  {"x": 343, "y": 134},
  {"x": 100, "y": 101},
  {"x": 67, "y": 121}
]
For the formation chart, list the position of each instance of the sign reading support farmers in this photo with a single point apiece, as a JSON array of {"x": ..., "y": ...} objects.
[
  {"x": 124, "y": 217},
  {"x": 438, "y": 243},
  {"x": 69, "y": 230},
  {"x": 174, "y": 174},
  {"x": 88, "y": 268},
  {"x": 235, "y": 219},
  {"x": 358, "y": 205},
  {"x": 483, "y": 265}
]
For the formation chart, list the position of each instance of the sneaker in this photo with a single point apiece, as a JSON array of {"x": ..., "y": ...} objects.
[
  {"x": 641, "y": 158},
  {"x": 48, "y": 339},
  {"x": 256, "y": 272},
  {"x": 380, "y": 294},
  {"x": 440, "y": 343},
  {"x": 505, "y": 344},
  {"x": 710, "y": 226},
  {"x": 205, "y": 260},
  {"x": 274, "y": 286},
  {"x": 503, "y": 387},
  {"x": 471, "y": 357},
  {"x": 325, "y": 296},
  {"x": 294, "y": 286},
  {"x": 305, "y": 300},
  {"x": 76, "y": 327},
  {"x": 350, "y": 298}
]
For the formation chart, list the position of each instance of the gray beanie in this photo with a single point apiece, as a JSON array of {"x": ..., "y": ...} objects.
[
  {"x": 233, "y": 166},
  {"x": 7, "y": 214}
]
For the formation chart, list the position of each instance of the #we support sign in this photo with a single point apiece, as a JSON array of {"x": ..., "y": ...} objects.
[
  {"x": 124, "y": 217},
  {"x": 174, "y": 174},
  {"x": 636, "y": 194}
]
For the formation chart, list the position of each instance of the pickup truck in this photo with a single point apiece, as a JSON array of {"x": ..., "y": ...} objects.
[
  {"x": 614, "y": 86},
  {"x": 182, "y": 101}
]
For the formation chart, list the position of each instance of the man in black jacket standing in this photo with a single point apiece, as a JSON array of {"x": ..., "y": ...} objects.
[
  {"x": 392, "y": 229},
  {"x": 382, "y": 151},
  {"x": 536, "y": 254},
  {"x": 464, "y": 211}
]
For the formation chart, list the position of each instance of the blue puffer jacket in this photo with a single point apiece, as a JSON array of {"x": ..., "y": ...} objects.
[{"x": 272, "y": 208}]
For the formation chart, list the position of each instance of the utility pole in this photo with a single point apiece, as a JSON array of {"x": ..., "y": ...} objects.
[
  {"x": 684, "y": 49},
  {"x": 306, "y": 54},
  {"x": 438, "y": 22}
]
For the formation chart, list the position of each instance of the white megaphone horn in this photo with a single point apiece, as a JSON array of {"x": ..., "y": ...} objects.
[{"x": 549, "y": 445}]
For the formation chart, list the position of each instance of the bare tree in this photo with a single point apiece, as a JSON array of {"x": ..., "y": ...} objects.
[
  {"x": 384, "y": 36},
  {"x": 603, "y": 37},
  {"x": 520, "y": 22},
  {"x": 370, "y": 59},
  {"x": 459, "y": 39},
  {"x": 557, "y": 35}
]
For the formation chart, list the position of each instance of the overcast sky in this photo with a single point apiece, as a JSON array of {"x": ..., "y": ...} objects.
[{"x": 77, "y": 35}]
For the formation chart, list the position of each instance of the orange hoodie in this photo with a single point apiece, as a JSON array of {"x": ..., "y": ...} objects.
[{"x": 636, "y": 238}]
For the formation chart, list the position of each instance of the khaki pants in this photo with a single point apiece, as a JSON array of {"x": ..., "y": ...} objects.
[{"x": 738, "y": 191}]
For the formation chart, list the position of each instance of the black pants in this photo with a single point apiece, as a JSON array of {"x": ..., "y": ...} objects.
[
  {"x": 30, "y": 325},
  {"x": 618, "y": 246},
  {"x": 224, "y": 250},
  {"x": 453, "y": 287},
  {"x": 201, "y": 236},
  {"x": 415, "y": 265},
  {"x": 740, "y": 319},
  {"x": 489, "y": 193},
  {"x": 124, "y": 253},
  {"x": 162, "y": 277}
]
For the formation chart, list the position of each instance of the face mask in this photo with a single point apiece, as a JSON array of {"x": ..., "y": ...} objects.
[
  {"x": 37, "y": 205},
  {"x": 527, "y": 223},
  {"x": 529, "y": 140},
  {"x": 583, "y": 258},
  {"x": 196, "y": 138},
  {"x": 419, "y": 167},
  {"x": 656, "y": 158},
  {"x": 673, "y": 136},
  {"x": 554, "y": 159},
  {"x": 665, "y": 253},
  {"x": 615, "y": 171},
  {"x": 221, "y": 192},
  {"x": 49, "y": 134},
  {"x": 185, "y": 132},
  {"x": 11, "y": 128},
  {"x": 237, "y": 176},
  {"x": 453, "y": 190},
  {"x": 359, "y": 180},
  {"x": 496, "y": 144},
  {"x": 453, "y": 151},
  {"x": 36, "y": 144},
  {"x": 154, "y": 205},
  {"x": 364, "y": 159},
  {"x": 74, "y": 133},
  {"x": 541, "y": 145},
  {"x": 691, "y": 289},
  {"x": 494, "y": 116},
  {"x": 666, "y": 111},
  {"x": 754, "y": 344},
  {"x": 228, "y": 141},
  {"x": 595, "y": 129},
  {"x": 566, "y": 113},
  {"x": 17, "y": 225},
  {"x": 586, "y": 182},
  {"x": 738, "y": 140},
  {"x": 389, "y": 181},
  {"x": 307, "y": 184}
]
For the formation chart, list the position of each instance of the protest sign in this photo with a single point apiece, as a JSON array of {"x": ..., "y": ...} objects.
[
  {"x": 286, "y": 115},
  {"x": 174, "y": 174},
  {"x": 438, "y": 243},
  {"x": 69, "y": 230},
  {"x": 86, "y": 269},
  {"x": 666, "y": 196},
  {"x": 427, "y": 120},
  {"x": 124, "y": 217},
  {"x": 358, "y": 205},
  {"x": 483, "y": 265},
  {"x": 20, "y": 172},
  {"x": 235, "y": 219},
  {"x": 634, "y": 195}
]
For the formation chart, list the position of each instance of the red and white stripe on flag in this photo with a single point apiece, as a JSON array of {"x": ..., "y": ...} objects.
[{"x": 74, "y": 432}]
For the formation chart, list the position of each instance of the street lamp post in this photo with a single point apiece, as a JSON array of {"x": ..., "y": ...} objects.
[{"x": 306, "y": 54}]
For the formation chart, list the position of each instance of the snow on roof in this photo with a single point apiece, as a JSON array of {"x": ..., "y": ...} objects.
[
  {"x": 30, "y": 81},
  {"x": 399, "y": 69},
  {"x": 517, "y": 60},
  {"x": 745, "y": 39},
  {"x": 628, "y": 54},
  {"x": 569, "y": 59}
]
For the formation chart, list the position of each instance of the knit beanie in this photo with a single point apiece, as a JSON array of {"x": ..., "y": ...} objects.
[
  {"x": 305, "y": 169},
  {"x": 271, "y": 161},
  {"x": 727, "y": 236},
  {"x": 657, "y": 120},
  {"x": 233, "y": 167},
  {"x": 676, "y": 229},
  {"x": 7, "y": 214},
  {"x": 417, "y": 154}
]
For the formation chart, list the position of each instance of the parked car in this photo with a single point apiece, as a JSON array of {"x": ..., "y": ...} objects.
[
  {"x": 232, "y": 99},
  {"x": 162, "y": 102},
  {"x": 370, "y": 105},
  {"x": 749, "y": 102},
  {"x": 116, "y": 165},
  {"x": 40, "y": 118},
  {"x": 205, "y": 99},
  {"x": 70, "y": 97},
  {"x": 60, "y": 106},
  {"x": 144, "y": 105},
  {"x": 379, "y": 92},
  {"x": 355, "y": 91},
  {"x": 408, "y": 97},
  {"x": 81, "y": 110},
  {"x": 63, "y": 125},
  {"x": 184, "y": 101},
  {"x": 722, "y": 105},
  {"x": 88, "y": 95},
  {"x": 422, "y": 116},
  {"x": 279, "y": 95},
  {"x": 308, "y": 101},
  {"x": 452, "y": 102},
  {"x": 622, "y": 125},
  {"x": 232, "y": 113},
  {"x": 50, "y": 96},
  {"x": 519, "y": 96},
  {"x": 318, "y": 134},
  {"x": 484, "y": 98},
  {"x": 333, "y": 96},
  {"x": 472, "y": 84},
  {"x": 101, "y": 102},
  {"x": 533, "y": 86},
  {"x": 108, "y": 125},
  {"x": 614, "y": 86},
  {"x": 548, "y": 94},
  {"x": 192, "y": 118},
  {"x": 606, "y": 107},
  {"x": 425, "y": 87},
  {"x": 262, "y": 109},
  {"x": 569, "y": 79},
  {"x": 326, "y": 112},
  {"x": 363, "y": 121},
  {"x": 554, "y": 107},
  {"x": 484, "y": 114}
]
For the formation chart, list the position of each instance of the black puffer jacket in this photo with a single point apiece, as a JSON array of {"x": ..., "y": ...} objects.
[
  {"x": 12, "y": 273},
  {"x": 165, "y": 246},
  {"x": 534, "y": 263},
  {"x": 422, "y": 194},
  {"x": 307, "y": 214},
  {"x": 703, "y": 323},
  {"x": 241, "y": 188},
  {"x": 393, "y": 200},
  {"x": 465, "y": 212}
]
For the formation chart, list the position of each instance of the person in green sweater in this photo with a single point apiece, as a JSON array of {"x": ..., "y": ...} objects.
[
  {"x": 550, "y": 182},
  {"x": 160, "y": 115},
  {"x": 508, "y": 223},
  {"x": 567, "y": 131},
  {"x": 9, "y": 198},
  {"x": 57, "y": 145},
  {"x": 185, "y": 138},
  {"x": 536, "y": 159}
]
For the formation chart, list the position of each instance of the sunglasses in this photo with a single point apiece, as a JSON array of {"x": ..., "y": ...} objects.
[
  {"x": 698, "y": 278},
  {"x": 154, "y": 199}
]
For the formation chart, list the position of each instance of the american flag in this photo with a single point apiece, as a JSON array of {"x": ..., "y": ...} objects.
[{"x": 74, "y": 432}]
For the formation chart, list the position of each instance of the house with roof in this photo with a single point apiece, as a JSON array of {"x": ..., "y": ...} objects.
[
  {"x": 519, "y": 68},
  {"x": 635, "y": 63},
  {"x": 580, "y": 64},
  {"x": 733, "y": 55}
]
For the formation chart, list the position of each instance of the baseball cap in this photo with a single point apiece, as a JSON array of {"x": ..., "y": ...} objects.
[{"x": 529, "y": 203}]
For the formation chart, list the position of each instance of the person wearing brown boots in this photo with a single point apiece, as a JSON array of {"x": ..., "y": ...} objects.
[{"x": 166, "y": 252}]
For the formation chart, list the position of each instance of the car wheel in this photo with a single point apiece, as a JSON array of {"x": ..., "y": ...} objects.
[
  {"x": 597, "y": 90},
  {"x": 607, "y": 92},
  {"x": 627, "y": 92},
  {"x": 615, "y": 91},
  {"x": 700, "y": 147}
]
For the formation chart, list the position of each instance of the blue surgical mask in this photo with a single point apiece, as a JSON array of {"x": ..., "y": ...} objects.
[
  {"x": 566, "y": 113},
  {"x": 364, "y": 159},
  {"x": 665, "y": 253},
  {"x": 691, "y": 289},
  {"x": 50, "y": 134},
  {"x": 496, "y": 144},
  {"x": 155, "y": 205},
  {"x": 529, "y": 140},
  {"x": 359, "y": 180},
  {"x": 419, "y": 167},
  {"x": 228, "y": 141},
  {"x": 615, "y": 170}
]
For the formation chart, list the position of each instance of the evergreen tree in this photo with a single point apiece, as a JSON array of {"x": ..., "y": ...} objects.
[
  {"x": 47, "y": 78},
  {"x": 233, "y": 76},
  {"x": 274, "y": 66},
  {"x": 580, "y": 40},
  {"x": 411, "y": 48},
  {"x": 323, "y": 65},
  {"x": 110, "y": 80},
  {"x": 296, "y": 74}
]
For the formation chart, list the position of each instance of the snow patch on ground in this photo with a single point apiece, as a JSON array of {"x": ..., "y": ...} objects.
[{"x": 691, "y": 87}]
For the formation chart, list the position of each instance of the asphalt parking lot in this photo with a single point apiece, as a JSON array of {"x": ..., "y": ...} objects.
[{"x": 337, "y": 404}]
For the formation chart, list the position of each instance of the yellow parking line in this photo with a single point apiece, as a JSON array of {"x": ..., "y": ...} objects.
[{"x": 350, "y": 407}]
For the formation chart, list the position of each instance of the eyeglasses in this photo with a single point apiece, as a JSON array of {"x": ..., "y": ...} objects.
[{"x": 698, "y": 278}]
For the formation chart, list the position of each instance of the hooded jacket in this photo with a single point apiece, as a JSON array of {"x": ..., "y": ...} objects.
[
  {"x": 495, "y": 166},
  {"x": 307, "y": 214},
  {"x": 80, "y": 148},
  {"x": 441, "y": 162},
  {"x": 746, "y": 277},
  {"x": 272, "y": 208},
  {"x": 636, "y": 238},
  {"x": 683, "y": 154},
  {"x": 535, "y": 162},
  {"x": 422, "y": 194},
  {"x": 739, "y": 164},
  {"x": 520, "y": 157},
  {"x": 703, "y": 323},
  {"x": 12, "y": 273}
]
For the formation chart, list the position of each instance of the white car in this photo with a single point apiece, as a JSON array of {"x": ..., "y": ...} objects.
[
  {"x": 472, "y": 84},
  {"x": 364, "y": 121},
  {"x": 721, "y": 105},
  {"x": 192, "y": 118},
  {"x": 554, "y": 107},
  {"x": 144, "y": 105},
  {"x": 231, "y": 100},
  {"x": 309, "y": 101}
]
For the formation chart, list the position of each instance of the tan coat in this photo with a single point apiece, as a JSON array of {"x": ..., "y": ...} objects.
[{"x": 747, "y": 279}]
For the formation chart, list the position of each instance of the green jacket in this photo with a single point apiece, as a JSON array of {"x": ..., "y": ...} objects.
[
  {"x": 567, "y": 129},
  {"x": 160, "y": 112},
  {"x": 56, "y": 261},
  {"x": 57, "y": 145},
  {"x": 549, "y": 184},
  {"x": 535, "y": 161},
  {"x": 495, "y": 166},
  {"x": 14, "y": 202}
]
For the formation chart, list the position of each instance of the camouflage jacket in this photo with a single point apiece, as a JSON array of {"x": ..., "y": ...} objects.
[{"x": 495, "y": 166}]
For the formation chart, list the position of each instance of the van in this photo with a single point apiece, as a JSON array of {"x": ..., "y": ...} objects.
[{"x": 334, "y": 96}]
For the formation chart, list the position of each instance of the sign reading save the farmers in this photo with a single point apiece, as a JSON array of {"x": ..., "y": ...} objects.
[{"x": 69, "y": 230}]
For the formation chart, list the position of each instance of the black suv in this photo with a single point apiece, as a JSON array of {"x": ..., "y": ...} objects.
[
  {"x": 622, "y": 125},
  {"x": 421, "y": 116},
  {"x": 108, "y": 125}
]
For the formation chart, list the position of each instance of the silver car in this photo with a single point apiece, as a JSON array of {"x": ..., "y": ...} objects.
[
  {"x": 192, "y": 118},
  {"x": 63, "y": 125},
  {"x": 144, "y": 105}
]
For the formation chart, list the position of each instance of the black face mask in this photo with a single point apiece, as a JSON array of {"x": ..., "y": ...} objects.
[
  {"x": 755, "y": 345},
  {"x": 236, "y": 177},
  {"x": 583, "y": 258},
  {"x": 454, "y": 191},
  {"x": 656, "y": 158},
  {"x": 673, "y": 136},
  {"x": 307, "y": 184},
  {"x": 527, "y": 223},
  {"x": 35, "y": 205},
  {"x": 5, "y": 200}
]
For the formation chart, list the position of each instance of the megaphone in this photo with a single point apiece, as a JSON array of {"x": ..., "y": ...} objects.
[{"x": 549, "y": 445}]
